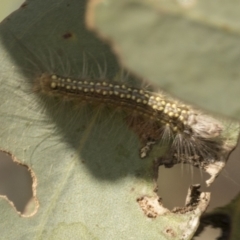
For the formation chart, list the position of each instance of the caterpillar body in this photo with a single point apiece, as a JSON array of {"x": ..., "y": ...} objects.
[{"x": 190, "y": 135}]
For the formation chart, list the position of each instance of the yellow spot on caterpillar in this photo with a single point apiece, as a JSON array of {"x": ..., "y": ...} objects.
[
  {"x": 175, "y": 128},
  {"x": 184, "y": 111},
  {"x": 181, "y": 118},
  {"x": 53, "y": 85},
  {"x": 152, "y": 98},
  {"x": 165, "y": 111},
  {"x": 168, "y": 105}
]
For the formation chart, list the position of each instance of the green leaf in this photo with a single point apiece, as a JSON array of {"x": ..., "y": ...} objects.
[
  {"x": 85, "y": 163},
  {"x": 188, "y": 48}
]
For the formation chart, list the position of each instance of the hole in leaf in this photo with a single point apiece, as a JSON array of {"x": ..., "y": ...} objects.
[
  {"x": 15, "y": 182},
  {"x": 173, "y": 183}
]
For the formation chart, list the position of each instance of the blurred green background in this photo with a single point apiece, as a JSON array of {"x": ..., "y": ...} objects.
[{"x": 8, "y": 6}]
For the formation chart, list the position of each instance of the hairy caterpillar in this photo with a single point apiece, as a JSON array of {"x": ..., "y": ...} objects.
[
  {"x": 189, "y": 135},
  {"x": 186, "y": 134}
]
